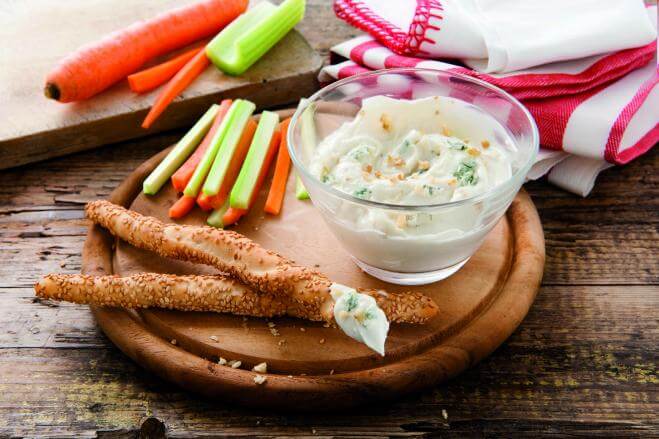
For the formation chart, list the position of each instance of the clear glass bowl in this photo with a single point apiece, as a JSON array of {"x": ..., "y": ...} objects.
[{"x": 460, "y": 226}]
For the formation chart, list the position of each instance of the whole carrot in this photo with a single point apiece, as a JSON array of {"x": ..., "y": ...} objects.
[{"x": 96, "y": 66}]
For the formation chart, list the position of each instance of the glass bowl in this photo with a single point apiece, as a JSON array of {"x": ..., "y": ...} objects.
[{"x": 458, "y": 227}]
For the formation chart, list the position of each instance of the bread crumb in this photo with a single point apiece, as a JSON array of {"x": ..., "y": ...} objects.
[
  {"x": 261, "y": 368},
  {"x": 485, "y": 144},
  {"x": 235, "y": 364},
  {"x": 260, "y": 379}
]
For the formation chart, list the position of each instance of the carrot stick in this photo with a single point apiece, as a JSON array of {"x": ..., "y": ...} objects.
[
  {"x": 234, "y": 214},
  {"x": 176, "y": 85},
  {"x": 182, "y": 206},
  {"x": 205, "y": 202},
  {"x": 153, "y": 77},
  {"x": 183, "y": 175},
  {"x": 216, "y": 201},
  {"x": 96, "y": 66},
  {"x": 282, "y": 167}
]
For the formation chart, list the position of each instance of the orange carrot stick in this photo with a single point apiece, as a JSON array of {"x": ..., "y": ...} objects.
[
  {"x": 148, "y": 79},
  {"x": 282, "y": 167},
  {"x": 96, "y": 66},
  {"x": 233, "y": 215},
  {"x": 183, "y": 175},
  {"x": 182, "y": 206},
  {"x": 216, "y": 201},
  {"x": 176, "y": 85},
  {"x": 204, "y": 201}
]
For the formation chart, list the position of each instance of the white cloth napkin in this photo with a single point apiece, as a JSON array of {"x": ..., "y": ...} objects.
[
  {"x": 502, "y": 35},
  {"x": 591, "y": 112}
]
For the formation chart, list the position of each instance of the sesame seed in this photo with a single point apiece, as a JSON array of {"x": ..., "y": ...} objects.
[
  {"x": 214, "y": 338},
  {"x": 222, "y": 361},
  {"x": 260, "y": 379},
  {"x": 235, "y": 364},
  {"x": 303, "y": 329},
  {"x": 322, "y": 341},
  {"x": 173, "y": 341}
]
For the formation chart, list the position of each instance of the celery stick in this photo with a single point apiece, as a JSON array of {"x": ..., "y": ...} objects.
[
  {"x": 300, "y": 191},
  {"x": 199, "y": 175},
  {"x": 249, "y": 173},
  {"x": 308, "y": 141},
  {"x": 215, "y": 218},
  {"x": 227, "y": 149},
  {"x": 252, "y": 34},
  {"x": 180, "y": 153}
]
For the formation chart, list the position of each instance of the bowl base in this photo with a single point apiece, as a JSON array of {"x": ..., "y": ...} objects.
[{"x": 423, "y": 278}]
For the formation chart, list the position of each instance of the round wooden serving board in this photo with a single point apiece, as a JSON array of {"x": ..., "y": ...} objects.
[{"x": 311, "y": 366}]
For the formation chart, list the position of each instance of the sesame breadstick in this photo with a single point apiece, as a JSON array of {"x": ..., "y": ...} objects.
[
  {"x": 210, "y": 293},
  {"x": 155, "y": 290},
  {"x": 228, "y": 251}
]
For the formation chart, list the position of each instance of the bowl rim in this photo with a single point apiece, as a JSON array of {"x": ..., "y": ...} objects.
[{"x": 490, "y": 193}]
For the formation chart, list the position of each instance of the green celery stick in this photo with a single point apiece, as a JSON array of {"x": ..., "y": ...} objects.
[
  {"x": 308, "y": 139},
  {"x": 227, "y": 149},
  {"x": 215, "y": 218},
  {"x": 180, "y": 153},
  {"x": 199, "y": 175},
  {"x": 251, "y": 169},
  {"x": 252, "y": 34},
  {"x": 300, "y": 191}
]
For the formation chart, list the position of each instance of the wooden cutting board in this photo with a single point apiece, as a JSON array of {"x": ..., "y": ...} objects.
[
  {"x": 36, "y": 34},
  {"x": 313, "y": 367}
]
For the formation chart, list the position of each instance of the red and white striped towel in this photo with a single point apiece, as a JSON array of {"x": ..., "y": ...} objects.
[{"x": 591, "y": 112}]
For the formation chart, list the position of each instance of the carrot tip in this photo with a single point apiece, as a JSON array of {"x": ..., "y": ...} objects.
[{"x": 52, "y": 91}]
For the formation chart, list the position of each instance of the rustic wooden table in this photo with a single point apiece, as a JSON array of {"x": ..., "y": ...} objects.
[{"x": 582, "y": 363}]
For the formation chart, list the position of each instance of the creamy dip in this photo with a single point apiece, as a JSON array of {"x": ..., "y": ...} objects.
[
  {"x": 410, "y": 153},
  {"x": 359, "y": 316},
  {"x": 402, "y": 152}
]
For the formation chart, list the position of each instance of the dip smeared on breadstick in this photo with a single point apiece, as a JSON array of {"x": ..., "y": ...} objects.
[{"x": 359, "y": 316}]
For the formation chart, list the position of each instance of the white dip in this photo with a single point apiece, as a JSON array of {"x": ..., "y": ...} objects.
[
  {"x": 359, "y": 316},
  {"x": 406, "y": 153}
]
